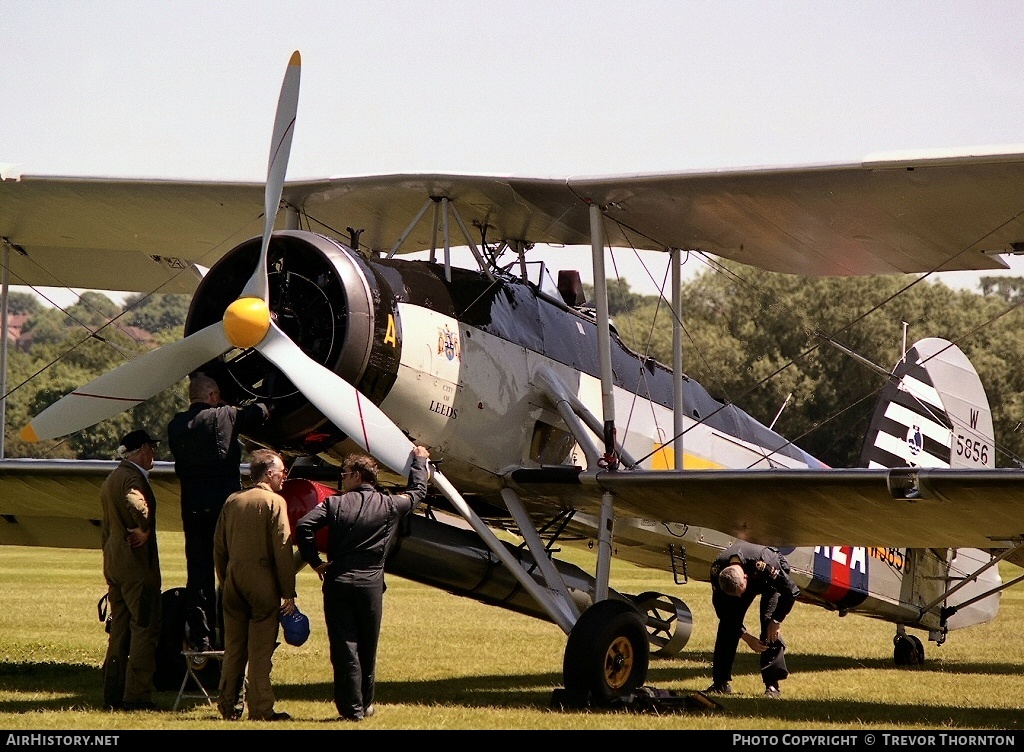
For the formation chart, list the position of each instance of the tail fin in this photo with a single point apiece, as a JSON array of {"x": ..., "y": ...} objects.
[{"x": 933, "y": 413}]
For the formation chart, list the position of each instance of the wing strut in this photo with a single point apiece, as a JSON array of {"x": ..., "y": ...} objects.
[
  {"x": 604, "y": 546},
  {"x": 446, "y": 206},
  {"x": 472, "y": 245},
  {"x": 950, "y": 610},
  {"x": 445, "y": 228},
  {"x": 540, "y": 554},
  {"x": 604, "y": 339},
  {"x": 604, "y": 351},
  {"x": 411, "y": 226},
  {"x": 991, "y": 563},
  {"x": 575, "y": 414},
  {"x": 677, "y": 358},
  {"x": 4, "y": 287},
  {"x": 558, "y": 615}
]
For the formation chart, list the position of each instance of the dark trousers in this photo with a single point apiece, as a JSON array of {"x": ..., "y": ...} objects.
[
  {"x": 730, "y": 611},
  {"x": 353, "y": 616},
  {"x": 130, "y": 661},
  {"x": 201, "y": 587}
]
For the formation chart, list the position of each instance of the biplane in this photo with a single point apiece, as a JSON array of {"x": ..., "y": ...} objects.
[{"x": 545, "y": 424}]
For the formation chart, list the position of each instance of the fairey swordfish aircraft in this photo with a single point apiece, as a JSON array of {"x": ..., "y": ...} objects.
[{"x": 545, "y": 424}]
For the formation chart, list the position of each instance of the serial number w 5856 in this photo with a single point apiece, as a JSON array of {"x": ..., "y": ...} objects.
[{"x": 972, "y": 450}]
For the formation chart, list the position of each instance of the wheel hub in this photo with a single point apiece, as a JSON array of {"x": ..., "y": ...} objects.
[{"x": 619, "y": 663}]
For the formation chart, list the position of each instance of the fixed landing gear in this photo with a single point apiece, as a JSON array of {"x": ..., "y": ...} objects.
[
  {"x": 908, "y": 650},
  {"x": 669, "y": 623},
  {"x": 607, "y": 655}
]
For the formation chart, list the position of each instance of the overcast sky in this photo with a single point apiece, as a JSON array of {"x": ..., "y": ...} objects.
[{"x": 181, "y": 89}]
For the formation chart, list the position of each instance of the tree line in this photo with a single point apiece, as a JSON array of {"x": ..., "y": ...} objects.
[
  {"x": 758, "y": 339},
  {"x": 761, "y": 340},
  {"x": 70, "y": 347}
]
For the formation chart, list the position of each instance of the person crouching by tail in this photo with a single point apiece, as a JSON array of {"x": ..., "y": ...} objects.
[
  {"x": 363, "y": 524},
  {"x": 255, "y": 562},
  {"x": 739, "y": 574}
]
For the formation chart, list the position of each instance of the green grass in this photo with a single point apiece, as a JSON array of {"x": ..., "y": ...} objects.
[{"x": 450, "y": 663}]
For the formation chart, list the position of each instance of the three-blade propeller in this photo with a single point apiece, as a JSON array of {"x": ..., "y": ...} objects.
[{"x": 247, "y": 323}]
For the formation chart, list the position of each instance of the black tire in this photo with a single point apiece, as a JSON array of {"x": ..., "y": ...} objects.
[
  {"x": 917, "y": 657},
  {"x": 908, "y": 650},
  {"x": 607, "y": 654}
]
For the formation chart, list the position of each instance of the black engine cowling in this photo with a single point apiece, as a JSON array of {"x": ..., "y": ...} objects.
[{"x": 328, "y": 300}]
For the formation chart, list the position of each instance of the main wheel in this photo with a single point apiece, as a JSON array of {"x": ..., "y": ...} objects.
[
  {"x": 908, "y": 650},
  {"x": 607, "y": 654}
]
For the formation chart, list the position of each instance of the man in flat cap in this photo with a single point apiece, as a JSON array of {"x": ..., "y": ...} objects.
[{"x": 131, "y": 567}]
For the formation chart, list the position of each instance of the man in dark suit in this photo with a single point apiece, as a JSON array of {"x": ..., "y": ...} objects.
[
  {"x": 207, "y": 454},
  {"x": 362, "y": 525},
  {"x": 739, "y": 574}
]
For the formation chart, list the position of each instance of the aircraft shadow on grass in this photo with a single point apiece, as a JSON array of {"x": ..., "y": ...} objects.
[
  {"x": 533, "y": 690},
  {"x": 79, "y": 686},
  {"x": 806, "y": 663},
  {"x": 522, "y": 690},
  {"x": 75, "y": 685}
]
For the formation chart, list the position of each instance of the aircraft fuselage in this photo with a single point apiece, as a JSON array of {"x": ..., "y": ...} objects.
[{"x": 456, "y": 362}]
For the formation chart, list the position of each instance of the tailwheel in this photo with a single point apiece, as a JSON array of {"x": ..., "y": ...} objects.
[
  {"x": 908, "y": 650},
  {"x": 669, "y": 622},
  {"x": 607, "y": 654}
]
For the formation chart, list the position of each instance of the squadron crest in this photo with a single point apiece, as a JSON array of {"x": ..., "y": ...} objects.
[{"x": 448, "y": 343}]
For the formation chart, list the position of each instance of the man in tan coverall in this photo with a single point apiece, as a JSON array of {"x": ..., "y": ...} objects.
[
  {"x": 131, "y": 567},
  {"x": 255, "y": 561}
]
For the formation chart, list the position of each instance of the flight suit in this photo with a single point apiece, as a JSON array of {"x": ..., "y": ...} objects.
[
  {"x": 207, "y": 455},
  {"x": 362, "y": 525},
  {"x": 133, "y": 586},
  {"x": 255, "y": 562},
  {"x": 768, "y": 577}
]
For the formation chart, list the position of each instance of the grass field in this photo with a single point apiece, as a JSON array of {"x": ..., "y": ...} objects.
[{"x": 450, "y": 663}]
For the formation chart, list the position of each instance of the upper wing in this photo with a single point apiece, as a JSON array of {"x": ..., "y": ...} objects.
[
  {"x": 874, "y": 217},
  {"x": 877, "y": 217},
  {"x": 111, "y": 234},
  {"x": 916, "y": 508},
  {"x": 56, "y": 503}
]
